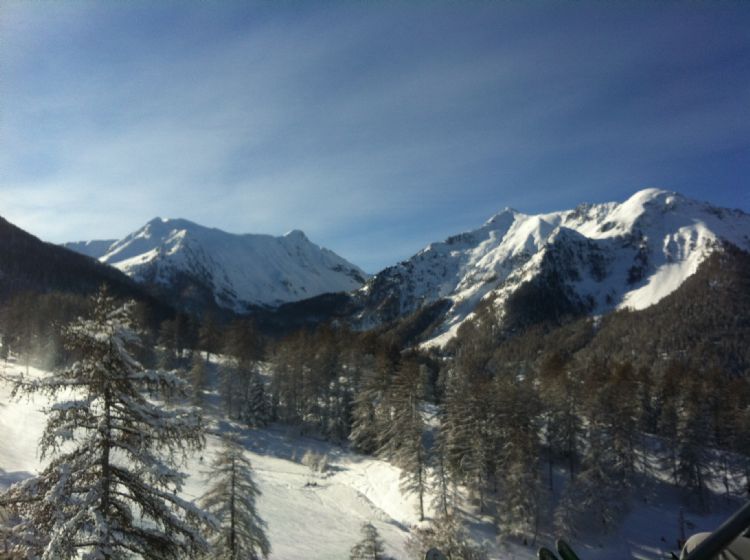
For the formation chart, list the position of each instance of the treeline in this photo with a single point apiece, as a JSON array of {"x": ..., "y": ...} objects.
[
  {"x": 31, "y": 324},
  {"x": 557, "y": 420}
]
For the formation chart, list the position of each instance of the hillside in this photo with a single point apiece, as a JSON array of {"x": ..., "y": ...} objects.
[
  {"x": 28, "y": 264},
  {"x": 317, "y": 516}
]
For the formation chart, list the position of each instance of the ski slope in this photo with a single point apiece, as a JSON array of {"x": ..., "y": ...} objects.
[{"x": 317, "y": 515}]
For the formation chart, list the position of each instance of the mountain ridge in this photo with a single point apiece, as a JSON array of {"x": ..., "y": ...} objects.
[
  {"x": 30, "y": 265},
  {"x": 606, "y": 256},
  {"x": 238, "y": 271},
  {"x": 592, "y": 259}
]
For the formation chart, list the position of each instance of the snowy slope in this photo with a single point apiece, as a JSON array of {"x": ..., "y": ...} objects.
[
  {"x": 317, "y": 516},
  {"x": 309, "y": 515},
  {"x": 238, "y": 270},
  {"x": 611, "y": 255}
]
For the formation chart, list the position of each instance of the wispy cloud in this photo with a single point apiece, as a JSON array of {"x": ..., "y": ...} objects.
[{"x": 376, "y": 128}]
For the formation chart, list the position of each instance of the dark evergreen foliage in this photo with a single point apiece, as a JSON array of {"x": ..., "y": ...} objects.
[
  {"x": 230, "y": 498},
  {"x": 110, "y": 488},
  {"x": 371, "y": 546},
  {"x": 31, "y": 265}
]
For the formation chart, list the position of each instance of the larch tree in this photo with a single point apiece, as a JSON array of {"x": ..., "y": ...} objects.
[
  {"x": 370, "y": 547},
  {"x": 370, "y": 404},
  {"x": 522, "y": 489},
  {"x": 231, "y": 499},
  {"x": 198, "y": 375},
  {"x": 404, "y": 437},
  {"x": 110, "y": 488}
]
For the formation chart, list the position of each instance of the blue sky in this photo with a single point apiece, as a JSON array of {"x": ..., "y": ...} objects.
[{"x": 376, "y": 127}]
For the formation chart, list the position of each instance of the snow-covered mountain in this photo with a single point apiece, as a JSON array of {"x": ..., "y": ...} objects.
[
  {"x": 237, "y": 271},
  {"x": 600, "y": 257},
  {"x": 93, "y": 249}
]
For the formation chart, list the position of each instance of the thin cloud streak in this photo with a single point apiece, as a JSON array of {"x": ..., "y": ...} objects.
[{"x": 335, "y": 119}]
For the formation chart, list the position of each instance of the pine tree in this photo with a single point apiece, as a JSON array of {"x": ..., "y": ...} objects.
[
  {"x": 369, "y": 408},
  {"x": 613, "y": 412},
  {"x": 167, "y": 341},
  {"x": 667, "y": 403},
  {"x": 442, "y": 495},
  {"x": 522, "y": 491},
  {"x": 111, "y": 487},
  {"x": 209, "y": 335},
  {"x": 230, "y": 388},
  {"x": 561, "y": 392},
  {"x": 593, "y": 501},
  {"x": 694, "y": 435},
  {"x": 198, "y": 378},
  {"x": 288, "y": 367},
  {"x": 244, "y": 394},
  {"x": 404, "y": 439},
  {"x": 257, "y": 410},
  {"x": 470, "y": 432},
  {"x": 446, "y": 534},
  {"x": 370, "y": 547},
  {"x": 231, "y": 499}
]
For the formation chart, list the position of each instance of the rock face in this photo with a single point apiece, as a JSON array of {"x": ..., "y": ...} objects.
[
  {"x": 193, "y": 265},
  {"x": 592, "y": 259}
]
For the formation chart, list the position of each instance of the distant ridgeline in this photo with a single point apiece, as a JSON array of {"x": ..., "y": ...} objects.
[
  {"x": 589, "y": 261},
  {"x": 198, "y": 268},
  {"x": 529, "y": 269},
  {"x": 607, "y": 343}
]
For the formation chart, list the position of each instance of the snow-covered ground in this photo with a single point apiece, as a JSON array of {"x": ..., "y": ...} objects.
[{"x": 313, "y": 515}]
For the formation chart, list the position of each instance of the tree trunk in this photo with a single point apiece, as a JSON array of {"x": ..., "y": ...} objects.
[
  {"x": 106, "y": 472},
  {"x": 232, "y": 530},
  {"x": 421, "y": 495}
]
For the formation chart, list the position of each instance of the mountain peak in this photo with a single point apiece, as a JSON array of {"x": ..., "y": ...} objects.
[
  {"x": 238, "y": 271},
  {"x": 602, "y": 256},
  {"x": 653, "y": 196},
  {"x": 502, "y": 217},
  {"x": 160, "y": 224},
  {"x": 651, "y": 193},
  {"x": 296, "y": 234}
]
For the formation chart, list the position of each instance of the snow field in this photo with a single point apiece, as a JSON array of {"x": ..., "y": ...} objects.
[
  {"x": 313, "y": 515},
  {"x": 317, "y": 515},
  {"x": 310, "y": 515}
]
